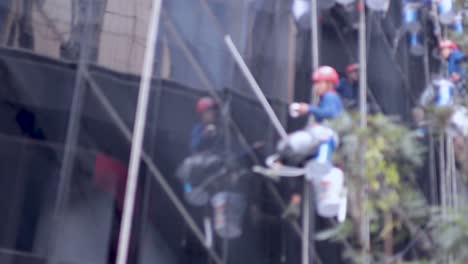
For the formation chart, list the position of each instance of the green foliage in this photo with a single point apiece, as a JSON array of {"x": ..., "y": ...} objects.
[
  {"x": 450, "y": 234},
  {"x": 398, "y": 211},
  {"x": 391, "y": 153}
]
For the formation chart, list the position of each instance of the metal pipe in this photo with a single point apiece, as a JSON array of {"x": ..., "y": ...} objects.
[
  {"x": 255, "y": 87},
  {"x": 365, "y": 236},
  {"x": 315, "y": 34},
  {"x": 74, "y": 124},
  {"x": 306, "y": 224},
  {"x": 362, "y": 66},
  {"x": 138, "y": 135},
  {"x": 307, "y": 193}
]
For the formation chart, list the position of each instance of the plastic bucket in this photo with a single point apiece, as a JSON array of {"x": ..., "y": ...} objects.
[
  {"x": 378, "y": 5},
  {"x": 195, "y": 196},
  {"x": 329, "y": 193},
  {"x": 344, "y": 2},
  {"x": 228, "y": 211},
  {"x": 325, "y": 4},
  {"x": 316, "y": 170},
  {"x": 416, "y": 46},
  {"x": 445, "y": 93},
  {"x": 193, "y": 171},
  {"x": 446, "y": 14},
  {"x": 458, "y": 24},
  {"x": 411, "y": 17},
  {"x": 460, "y": 121}
]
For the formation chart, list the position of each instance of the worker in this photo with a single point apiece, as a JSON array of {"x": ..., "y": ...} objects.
[
  {"x": 330, "y": 105},
  {"x": 349, "y": 85},
  {"x": 454, "y": 57},
  {"x": 207, "y": 133}
]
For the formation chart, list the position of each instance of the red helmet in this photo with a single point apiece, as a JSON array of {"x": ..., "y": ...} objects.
[
  {"x": 205, "y": 104},
  {"x": 446, "y": 43},
  {"x": 352, "y": 67},
  {"x": 326, "y": 74}
]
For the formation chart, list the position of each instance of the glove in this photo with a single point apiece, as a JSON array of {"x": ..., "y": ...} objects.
[
  {"x": 298, "y": 109},
  {"x": 293, "y": 210}
]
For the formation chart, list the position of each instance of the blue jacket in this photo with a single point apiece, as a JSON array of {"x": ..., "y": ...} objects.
[
  {"x": 347, "y": 90},
  {"x": 330, "y": 107},
  {"x": 455, "y": 63},
  {"x": 200, "y": 142}
]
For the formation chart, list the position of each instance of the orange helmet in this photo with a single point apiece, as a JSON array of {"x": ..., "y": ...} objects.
[
  {"x": 447, "y": 43},
  {"x": 205, "y": 104},
  {"x": 326, "y": 74}
]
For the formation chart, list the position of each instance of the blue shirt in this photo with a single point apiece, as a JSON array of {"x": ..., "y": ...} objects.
[
  {"x": 200, "y": 142},
  {"x": 455, "y": 63},
  {"x": 330, "y": 107},
  {"x": 346, "y": 90}
]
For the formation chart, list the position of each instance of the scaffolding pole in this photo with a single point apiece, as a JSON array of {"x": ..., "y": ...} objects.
[
  {"x": 255, "y": 87},
  {"x": 138, "y": 135},
  {"x": 307, "y": 193},
  {"x": 365, "y": 236},
  {"x": 71, "y": 141}
]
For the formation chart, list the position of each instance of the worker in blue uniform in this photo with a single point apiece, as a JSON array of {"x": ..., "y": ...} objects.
[
  {"x": 349, "y": 85},
  {"x": 207, "y": 133},
  {"x": 455, "y": 58},
  {"x": 330, "y": 105}
]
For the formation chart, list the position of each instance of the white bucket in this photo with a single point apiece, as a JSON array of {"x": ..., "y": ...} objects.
[
  {"x": 460, "y": 121},
  {"x": 228, "y": 212},
  {"x": 329, "y": 193},
  {"x": 378, "y": 5},
  {"x": 446, "y": 13}
]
